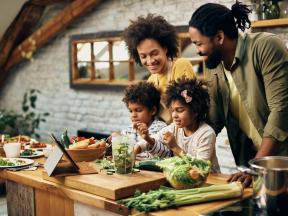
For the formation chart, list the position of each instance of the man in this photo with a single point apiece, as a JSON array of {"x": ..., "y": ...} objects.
[{"x": 248, "y": 82}]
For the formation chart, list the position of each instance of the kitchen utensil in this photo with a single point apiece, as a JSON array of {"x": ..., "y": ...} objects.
[{"x": 270, "y": 185}]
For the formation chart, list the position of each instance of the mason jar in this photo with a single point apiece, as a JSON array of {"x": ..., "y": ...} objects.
[{"x": 123, "y": 154}]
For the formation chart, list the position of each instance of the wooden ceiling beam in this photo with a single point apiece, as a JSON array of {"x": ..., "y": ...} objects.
[
  {"x": 21, "y": 27},
  {"x": 48, "y": 31},
  {"x": 46, "y": 2}
]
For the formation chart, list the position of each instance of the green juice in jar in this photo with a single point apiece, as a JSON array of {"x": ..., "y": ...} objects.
[{"x": 123, "y": 156}]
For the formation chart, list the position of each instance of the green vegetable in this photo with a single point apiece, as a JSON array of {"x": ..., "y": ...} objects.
[
  {"x": 27, "y": 152},
  {"x": 148, "y": 165},
  {"x": 164, "y": 198},
  {"x": 185, "y": 172},
  {"x": 135, "y": 170},
  {"x": 65, "y": 141},
  {"x": 8, "y": 162},
  {"x": 105, "y": 164},
  {"x": 109, "y": 166}
]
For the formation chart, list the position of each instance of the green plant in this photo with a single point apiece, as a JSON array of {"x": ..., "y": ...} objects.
[{"x": 25, "y": 123}]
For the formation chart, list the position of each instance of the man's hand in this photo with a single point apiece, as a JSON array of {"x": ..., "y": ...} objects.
[
  {"x": 269, "y": 146},
  {"x": 242, "y": 177}
]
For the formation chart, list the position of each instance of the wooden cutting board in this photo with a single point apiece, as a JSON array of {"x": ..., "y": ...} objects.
[{"x": 114, "y": 186}]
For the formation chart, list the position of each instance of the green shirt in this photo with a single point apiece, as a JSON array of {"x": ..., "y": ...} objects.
[{"x": 260, "y": 73}]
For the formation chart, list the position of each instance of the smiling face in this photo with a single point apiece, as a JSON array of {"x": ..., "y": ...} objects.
[
  {"x": 208, "y": 47},
  {"x": 141, "y": 113},
  {"x": 153, "y": 56},
  {"x": 183, "y": 117}
]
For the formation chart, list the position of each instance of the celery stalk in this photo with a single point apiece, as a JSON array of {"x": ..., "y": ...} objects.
[{"x": 166, "y": 198}]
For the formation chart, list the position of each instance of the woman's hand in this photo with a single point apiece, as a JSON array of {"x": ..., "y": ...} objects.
[{"x": 242, "y": 177}]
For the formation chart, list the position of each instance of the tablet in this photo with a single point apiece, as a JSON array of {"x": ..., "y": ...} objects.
[{"x": 61, "y": 147}]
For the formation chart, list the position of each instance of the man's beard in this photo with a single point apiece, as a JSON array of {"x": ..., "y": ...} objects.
[{"x": 213, "y": 60}]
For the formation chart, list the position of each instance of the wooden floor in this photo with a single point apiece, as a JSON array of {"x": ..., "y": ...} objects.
[{"x": 3, "y": 206}]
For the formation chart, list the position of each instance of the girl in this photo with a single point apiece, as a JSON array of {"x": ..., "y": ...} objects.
[
  {"x": 152, "y": 42},
  {"x": 188, "y": 134},
  {"x": 143, "y": 101}
]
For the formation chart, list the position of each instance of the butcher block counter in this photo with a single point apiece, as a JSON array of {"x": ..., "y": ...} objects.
[{"x": 34, "y": 193}]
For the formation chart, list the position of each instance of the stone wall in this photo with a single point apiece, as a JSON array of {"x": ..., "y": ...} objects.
[{"x": 73, "y": 109}]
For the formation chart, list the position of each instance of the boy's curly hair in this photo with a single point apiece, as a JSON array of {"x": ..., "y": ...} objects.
[
  {"x": 196, "y": 91},
  {"x": 143, "y": 93},
  {"x": 151, "y": 27}
]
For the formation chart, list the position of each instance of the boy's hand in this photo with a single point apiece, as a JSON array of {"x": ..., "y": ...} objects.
[
  {"x": 142, "y": 129},
  {"x": 137, "y": 150}
]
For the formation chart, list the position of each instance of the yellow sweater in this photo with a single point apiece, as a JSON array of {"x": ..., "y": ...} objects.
[{"x": 181, "y": 67}]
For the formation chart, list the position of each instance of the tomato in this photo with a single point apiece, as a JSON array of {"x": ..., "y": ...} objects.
[
  {"x": 80, "y": 138},
  {"x": 194, "y": 174},
  {"x": 92, "y": 141},
  {"x": 73, "y": 139}
]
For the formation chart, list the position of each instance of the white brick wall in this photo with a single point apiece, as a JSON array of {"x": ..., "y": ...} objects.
[{"x": 73, "y": 109}]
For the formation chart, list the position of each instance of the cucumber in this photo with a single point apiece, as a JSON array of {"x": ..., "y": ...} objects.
[
  {"x": 148, "y": 165},
  {"x": 65, "y": 141}
]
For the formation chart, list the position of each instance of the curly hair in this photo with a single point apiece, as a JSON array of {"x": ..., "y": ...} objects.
[
  {"x": 196, "y": 89},
  {"x": 212, "y": 17},
  {"x": 151, "y": 27},
  {"x": 143, "y": 93}
]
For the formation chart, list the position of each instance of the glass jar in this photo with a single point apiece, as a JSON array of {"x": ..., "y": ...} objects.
[
  {"x": 283, "y": 8},
  {"x": 254, "y": 13},
  {"x": 123, "y": 154}
]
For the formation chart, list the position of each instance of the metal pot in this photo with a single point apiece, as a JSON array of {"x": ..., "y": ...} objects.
[{"x": 270, "y": 185}]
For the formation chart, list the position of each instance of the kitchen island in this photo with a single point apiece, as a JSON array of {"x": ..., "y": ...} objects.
[{"x": 30, "y": 193}]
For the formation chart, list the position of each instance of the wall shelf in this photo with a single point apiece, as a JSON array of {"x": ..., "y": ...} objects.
[{"x": 270, "y": 23}]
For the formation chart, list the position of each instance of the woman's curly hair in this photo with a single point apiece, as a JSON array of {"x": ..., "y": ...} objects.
[
  {"x": 196, "y": 91},
  {"x": 151, "y": 27},
  {"x": 143, "y": 93}
]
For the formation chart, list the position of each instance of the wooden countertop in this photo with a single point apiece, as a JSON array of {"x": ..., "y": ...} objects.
[{"x": 34, "y": 179}]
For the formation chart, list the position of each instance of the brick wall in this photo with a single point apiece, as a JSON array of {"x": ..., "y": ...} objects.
[{"x": 49, "y": 72}]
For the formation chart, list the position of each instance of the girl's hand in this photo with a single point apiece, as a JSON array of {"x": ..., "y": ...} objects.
[{"x": 169, "y": 140}]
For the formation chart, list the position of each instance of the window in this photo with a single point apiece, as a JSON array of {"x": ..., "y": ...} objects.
[{"x": 102, "y": 59}]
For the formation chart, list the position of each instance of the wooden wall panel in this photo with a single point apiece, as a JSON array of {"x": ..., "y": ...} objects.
[
  {"x": 47, "y": 204},
  {"x": 20, "y": 199}
]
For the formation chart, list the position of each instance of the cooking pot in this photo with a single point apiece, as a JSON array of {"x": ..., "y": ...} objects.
[{"x": 270, "y": 184}]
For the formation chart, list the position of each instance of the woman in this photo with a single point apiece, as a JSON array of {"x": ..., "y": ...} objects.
[{"x": 152, "y": 42}]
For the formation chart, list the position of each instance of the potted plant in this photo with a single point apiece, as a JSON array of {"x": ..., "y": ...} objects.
[{"x": 26, "y": 123}]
